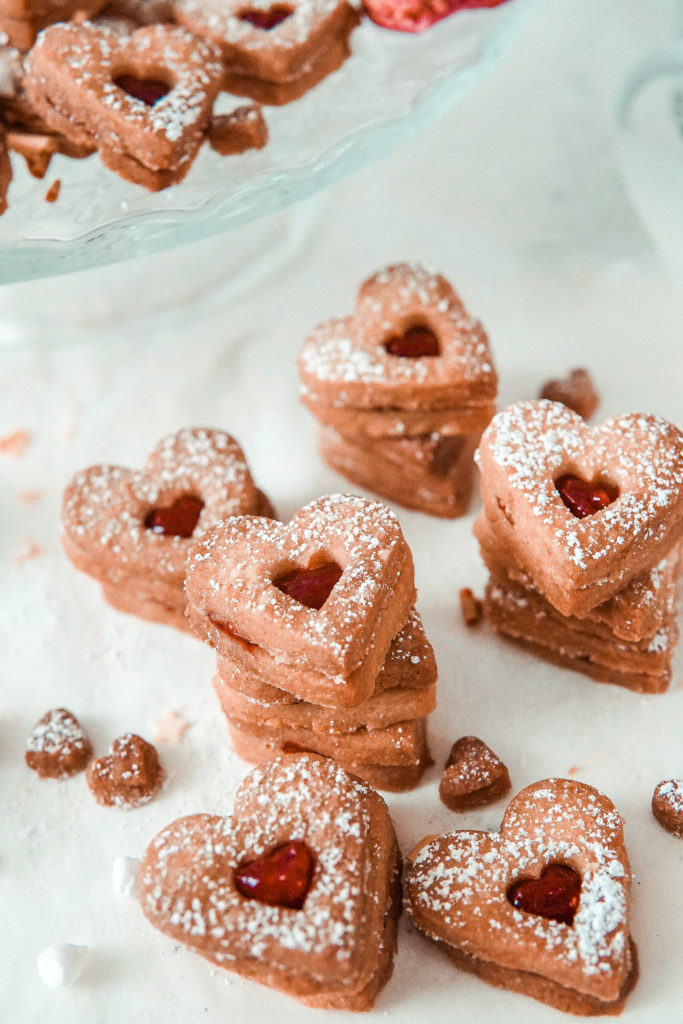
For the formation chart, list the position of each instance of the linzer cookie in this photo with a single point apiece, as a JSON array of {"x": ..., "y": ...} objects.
[
  {"x": 402, "y": 390},
  {"x": 543, "y": 906},
  {"x": 273, "y": 52},
  {"x": 21, "y": 20},
  {"x": 312, "y": 605},
  {"x": 298, "y": 890},
  {"x": 582, "y": 510},
  {"x": 132, "y": 530},
  {"x": 143, "y": 100}
]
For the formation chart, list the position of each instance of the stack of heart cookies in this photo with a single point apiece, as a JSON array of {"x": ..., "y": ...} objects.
[
  {"x": 402, "y": 390},
  {"x": 581, "y": 533},
  {"x": 319, "y": 644}
]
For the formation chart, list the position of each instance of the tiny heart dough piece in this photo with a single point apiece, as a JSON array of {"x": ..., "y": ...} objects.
[
  {"x": 473, "y": 776},
  {"x": 457, "y": 894},
  {"x": 667, "y": 806},
  {"x": 580, "y": 563},
  {"x": 128, "y": 776},
  {"x": 337, "y": 950}
]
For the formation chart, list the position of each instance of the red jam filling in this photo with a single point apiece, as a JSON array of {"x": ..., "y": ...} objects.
[
  {"x": 416, "y": 342},
  {"x": 280, "y": 878},
  {"x": 416, "y": 15},
  {"x": 266, "y": 19},
  {"x": 177, "y": 519},
  {"x": 585, "y": 498},
  {"x": 310, "y": 587},
  {"x": 225, "y": 627},
  {"x": 555, "y": 894},
  {"x": 149, "y": 90}
]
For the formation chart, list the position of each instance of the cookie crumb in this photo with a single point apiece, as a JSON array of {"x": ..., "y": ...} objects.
[
  {"x": 52, "y": 194},
  {"x": 15, "y": 444},
  {"x": 29, "y": 550},
  {"x": 242, "y": 129},
  {"x": 30, "y": 497},
  {"x": 471, "y": 607}
]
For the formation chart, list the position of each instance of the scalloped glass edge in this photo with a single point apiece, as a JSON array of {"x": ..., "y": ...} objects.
[{"x": 147, "y": 232}]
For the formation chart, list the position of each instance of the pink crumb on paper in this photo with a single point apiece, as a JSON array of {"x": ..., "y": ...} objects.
[
  {"x": 29, "y": 550},
  {"x": 15, "y": 444},
  {"x": 30, "y": 497},
  {"x": 169, "y": 728}
]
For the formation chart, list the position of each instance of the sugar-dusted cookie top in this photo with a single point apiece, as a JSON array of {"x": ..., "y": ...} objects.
[
  {"x": 582, "y": 509},
  {"x": 410, "y": 344},
  {"x": 291, "y": 890},
  {"x": 313, "y": 592},
  {"x": 548, "y": 895}
]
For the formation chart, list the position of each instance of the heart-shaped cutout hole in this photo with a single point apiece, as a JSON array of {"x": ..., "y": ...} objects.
[
  {"x": 416, "y": 342},
  {"x": 585, "y": 497},
  {"x": 148, "y": 90},
  {"x": 178, "y": 519},
  {"x": 555, "y": 894},
  {"x": 268, "y": 18},
  {"x": 312, "y": 586},
  {"x": 280, "y": 878}
]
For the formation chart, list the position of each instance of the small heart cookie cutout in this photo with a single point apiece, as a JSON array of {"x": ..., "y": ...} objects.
[
  {"x": 505, "y": 904},
  {"x": 582, "y": 509},
  {"x": 225, "y": 886},
  {"x": 473, "y": 776},
  {"x": 128, "y": 776}
]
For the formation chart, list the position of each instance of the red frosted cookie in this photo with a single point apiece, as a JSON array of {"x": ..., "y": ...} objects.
[
  {"x": 132, "y": 530},
  {"x": 57, "y": 746},
  {"x": 298, "y": 890},
  {"x": 273, "y": 52},
  {"x": 143, "y": 100},
  {"x": 129, "y": 776},
  {"x": 543, "y": 906},
  {"x": 312, "y": 605},
  {"x": 582, "y": 510}
]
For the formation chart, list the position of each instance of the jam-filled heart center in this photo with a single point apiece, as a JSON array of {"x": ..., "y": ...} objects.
[
  {"x": 280, "y": 878},
  {"x": 310, "y": 587},
  {"x": 554, "y": 894},
  {"x": 149, "y": 90},
  {"x": 267, "y": 18},
  {"x": 229, "y": 630},
  {"x": 585, "y": 497},
  {"x": 178, "y": 519},
  {"x": 415, "y": 343}
]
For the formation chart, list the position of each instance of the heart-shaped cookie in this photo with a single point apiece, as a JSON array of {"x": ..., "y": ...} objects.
[
  {"x": 21, "y": 20},
  {"x": 381, "y": 358},
  {"x": 273, "y": 51},
  {"x": 198, "y": 875},
  {"x": 473, "y": 777},
  {"x": 464, "y": 890},
  {"x": 128, "y": 776},
  {"x": 58, "y": 746},
  {"x": 239, "y": 575},
  {"x": 580, "y": 560},
  {"x": 133, "y": 529},
  {"x": 144, "y": 100}
]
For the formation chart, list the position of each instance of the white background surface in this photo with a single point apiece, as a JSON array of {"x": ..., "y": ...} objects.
[{"x": 516, "y": 196}]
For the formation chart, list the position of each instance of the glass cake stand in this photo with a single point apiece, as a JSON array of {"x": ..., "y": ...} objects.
[{"x": 393, "y": 84}]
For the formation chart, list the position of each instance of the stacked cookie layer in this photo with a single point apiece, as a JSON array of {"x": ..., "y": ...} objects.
[
  {"x": 580, "y": 532},
  {"x": 402, "y": 390},
  {"x": 319, "y": 645}
]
